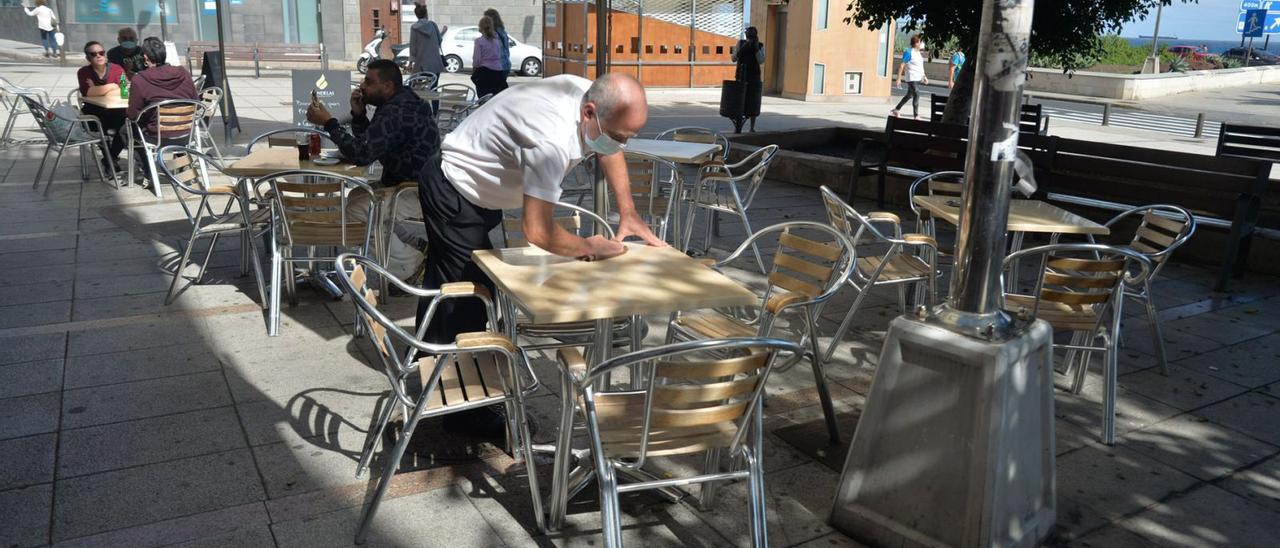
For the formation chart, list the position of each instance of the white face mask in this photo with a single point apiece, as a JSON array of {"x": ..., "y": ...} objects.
[{"x": 603, "y": 144}]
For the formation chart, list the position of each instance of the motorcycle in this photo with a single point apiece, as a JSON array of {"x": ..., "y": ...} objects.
[{"x": 372, "y": 52}]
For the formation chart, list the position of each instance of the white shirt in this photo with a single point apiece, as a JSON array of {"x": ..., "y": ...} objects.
[
  {"x": 915, "y": 64},
  {"x": 44, "y": 16},
  {"x": 522, "y": 142}
]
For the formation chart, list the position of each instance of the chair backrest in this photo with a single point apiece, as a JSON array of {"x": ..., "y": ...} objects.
[
  {"x": 754, "y": 176},
  {"x": 284, "y": 137},
  {"x": 1253, "y": 142},
  {"x": 186, "y": 168},
  {"x": 694, "y": 398},
  {"x": 212, "y": 99},
  {"x": 45, "y": 118},
  {"x": 421, "y": 80},
  {"x": 1162, "y": 229},
  {"x": 691, "y": 134},
  {"x": 457, "y": 91},
  {"x": 313, "y": 208},
  {"x": 804, "y": 268},
  {"x": 513, "y": 228},
  {"x": 1080, "y": 276},
  {"x": 175, "y": 118},
  {"x": 653, "y": 181}
]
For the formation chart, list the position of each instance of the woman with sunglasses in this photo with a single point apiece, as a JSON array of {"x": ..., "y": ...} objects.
[{"x": 101, "y": 77}]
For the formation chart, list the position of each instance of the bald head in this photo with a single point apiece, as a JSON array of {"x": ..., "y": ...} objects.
[{"x": 619, "y": 100}]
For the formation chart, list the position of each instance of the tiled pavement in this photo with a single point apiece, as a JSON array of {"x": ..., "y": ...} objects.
[{"x": 124, "y": 422}]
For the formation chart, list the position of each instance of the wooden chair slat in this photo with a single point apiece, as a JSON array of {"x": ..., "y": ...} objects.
[
  {"x": 472, "y": 384},
  {"x": 426, "y": 365},
  {"x": 313, "y": 202},
  {"x": 450, "y": 384},
  {"x": 819, "y": 273},
  {"x": 679, "y": 418},
  {"x": 1166, "y": 224},
  {"x": 805, "y": 245},
  {"x": 370, "y": 297},
  {"x": 710, "y": 369},
  {"x": 1086, "y": 265},
  {"x": 312, "y": 234},
  {"x": 314, "y": 216},
  {"x": 666, "y": 443},
  {"x": 358, "y": 276},
  {"x": 791, "y": 283},
  {"x": 1142, "y": 247},
  {"x": 309, "y": 188},
  {"x": 1154, "y": 237},
  {"x": 1054, "y": 278},
  {"x": 490, "y": 373},
  {"x": 702, "y": 393},
  {"x": 1055, "y": 296},
  {"x": 379, "y": 335}
]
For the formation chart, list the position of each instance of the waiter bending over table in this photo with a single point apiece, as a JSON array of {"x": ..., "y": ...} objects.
[{"x": 513, "y": 153}]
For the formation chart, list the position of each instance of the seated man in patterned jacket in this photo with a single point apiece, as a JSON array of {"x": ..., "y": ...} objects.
[{"x": 402, "y": 136}]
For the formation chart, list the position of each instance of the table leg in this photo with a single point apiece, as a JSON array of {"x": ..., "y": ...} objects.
[
  {"x": 253, "y": 244},
  {"x": 1011, "y": 279},
  {"x": 560, "y": 473}
]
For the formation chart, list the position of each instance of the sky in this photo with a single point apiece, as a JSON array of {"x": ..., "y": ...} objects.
[{"x": 1205, "y": 20}]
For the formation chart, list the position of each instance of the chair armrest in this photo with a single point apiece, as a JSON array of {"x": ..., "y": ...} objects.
[
  {"x": 777, "y": 303},
  {"x": 464, "y": 289},
  {"x": 483, "y": 339},
  {"x": 884, "y": 216},
  {"x": 920, "y": 239},
  {"x": 708, "y": 262},
  {"x": 571, "y": 362}
]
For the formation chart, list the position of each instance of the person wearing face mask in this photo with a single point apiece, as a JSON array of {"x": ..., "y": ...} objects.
[
  {"x": 402, "y": 136},
  {"x": 513, "y": 153},
  {"x": 128, "y": 54}
]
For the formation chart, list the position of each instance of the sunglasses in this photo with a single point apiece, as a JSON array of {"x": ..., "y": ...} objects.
[{"x": 95, "y": 53}]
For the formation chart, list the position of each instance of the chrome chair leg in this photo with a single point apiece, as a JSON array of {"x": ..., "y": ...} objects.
[
  {"x": 847, "y": 322},
  {"x": 182, "y": 264},
  {"x": 393, "y": 463},
  {"x": 755, "y": 250},
  {"x": 820, "y": 379},
  {"x": 530, "y": 465},
  {"x": 707, "y": 497},
  {"x": 1157, "y": 331},
  {"x": 277, "y": 279},
  {"x": 40, "y": 171},
  {"x": 375, "y": 433},
  {"x": 54, "y": 170},
  {"x": 1109, "y": 366},
  {"x": 1082, "y": 370}
]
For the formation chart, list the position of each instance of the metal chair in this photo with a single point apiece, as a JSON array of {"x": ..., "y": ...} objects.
[
  {"x": 626, "y": 331},
  {"x": 717, "y": 191},
  {"x": 11, "y": 98},
  {"x": 1083, "y": 296},
  {"x": 422, "y": 80},
  {"x": 311, "y": 209},
  {"x": 691, "y": 134},
  {"x": 284, "y": 137},
  {"x": 1162, "y": 229},
  {"x": 702, "y": 396},
  {"x": 212, "y": 99},
  {"x": 187, "y": 170},
  {"x": 896, "y": 266},
  {"x": 476, "y": 370},
  {"x": 64, "y": 134},
  {"x": 177, "y": 123},
  {"x": 654, "y": 181},
  {"x": 941, "y": 183},
  {"x": 806, "y": 273}
]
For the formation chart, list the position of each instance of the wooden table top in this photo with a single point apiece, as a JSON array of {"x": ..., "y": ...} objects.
[
  {"x": 265, "y": 160},
  {"x": 644, "y": 280},
  {"x": 673, "y": 151},
  {"x": 1024, "y": 216},
  {"x": 110, "y": 101}
]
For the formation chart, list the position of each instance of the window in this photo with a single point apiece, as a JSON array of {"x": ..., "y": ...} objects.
[
  {"x": 823, "y": 6},
  {"x": 819, "y": 78},
  {"x": 706, "y": 50},
  {"x": 679, "y": 49},
  {"x": 853, "y": 83},
  {"x": 648, "y": 50},
  {"x": 662, "y": 50},
  {"x": 882, "y": 53},
  {"x": 719, "y": 50},
  {"x": 122, "y": 11}
]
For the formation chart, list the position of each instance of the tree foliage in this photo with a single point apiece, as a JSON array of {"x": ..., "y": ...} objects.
[{"x": 1066, "y": 31}]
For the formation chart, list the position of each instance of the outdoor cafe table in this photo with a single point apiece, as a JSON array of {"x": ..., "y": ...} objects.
[
  {"x": 643, "y": 281},
  {"x": 1024, "y": 216},
  {"x": 676, "y": 152},
  {"x": 265, "y": 160},
  {"x": 110, "y": 101}
]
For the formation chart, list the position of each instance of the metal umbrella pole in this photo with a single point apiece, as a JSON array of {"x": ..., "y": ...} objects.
[
  {"x": 222, "y": 69},
  {"x": 601, "y": 193},
  {"x": 955, "y": 446}
]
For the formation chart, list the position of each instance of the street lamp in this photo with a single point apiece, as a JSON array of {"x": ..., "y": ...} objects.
[{"x": 1152, "y": 64}]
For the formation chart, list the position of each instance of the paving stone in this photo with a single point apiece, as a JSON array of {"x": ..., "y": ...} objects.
[
  {"x": 285, "y": 375},
  {"x": 798, "y": 501},
  {"x": 26, "y": 515},
  {"x": 154, "y": 493},
  {"x": 1197, "y": 447},
  {"x": 1259, "y": 484},
  {"x": 1252, "y": 413},
  {"x": 58, "y": 257},
  {"x": 142, "y": 399},
  {"x": 22, "y": 379},
  {"x": 32, "y": 275},
  {"x": 1099, "y": 484},
  {"x": 1133, "y": 410},
  {"x": 1114, "y": 536},
  {"x": 43, "y": 243},
  {"x": 112, "y": 286},
  {"x": 150, "y": 334},
  {"x": 1251, "y": 363},
  {"x": 39, "y": 291},
  {"x": 442, "y": 517},
  {"x": 28, "y": 415},
  {"x": 27, "y": 348},
  {"x": 1183, "y": 388},
  {"x": 136, "y": 365},
  {"x": 324, "y": 461},
  {"x": 245, "y": 537},
  {"x": 1177, "y": 344},
  {"x": 123, "y": 444},
  {"x": 1222, "y": 328},
  {"x": 834, "y": 540},
  {"x": 196, "y": 528},
  {"x": 1207, "y": 516},
  {"x": 26, "y": 461},
  {"x": 318, "y": 412},
  {"x": 27, "y": 315}
]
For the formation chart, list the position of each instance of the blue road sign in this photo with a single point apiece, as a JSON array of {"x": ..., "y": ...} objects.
[{"x": 1262, "y": 22}]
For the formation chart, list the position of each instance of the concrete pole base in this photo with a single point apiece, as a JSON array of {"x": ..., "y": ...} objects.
[
  {"x": 1151, "y": 65},
  {"x": 955, "y": 447}
]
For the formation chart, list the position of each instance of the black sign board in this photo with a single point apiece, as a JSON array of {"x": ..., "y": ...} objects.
[
  {"x": 332, "y": 87},
  {"x": 211, "y": 68}
]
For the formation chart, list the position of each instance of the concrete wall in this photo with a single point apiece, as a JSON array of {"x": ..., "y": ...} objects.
[
  {"x": 15, "y": 24},
  {"x": 1130, "y": 86}
]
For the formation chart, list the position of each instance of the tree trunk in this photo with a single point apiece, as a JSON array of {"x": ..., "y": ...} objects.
[{"x": 961, "y": 96}]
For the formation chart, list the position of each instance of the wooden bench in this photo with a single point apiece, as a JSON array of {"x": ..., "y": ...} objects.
[
  {"x": 258, "y": 52},
  {"x": 1032, "y": 119}
]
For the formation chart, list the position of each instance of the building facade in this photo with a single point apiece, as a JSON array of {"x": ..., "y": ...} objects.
[{"x": 816, "y": 56}]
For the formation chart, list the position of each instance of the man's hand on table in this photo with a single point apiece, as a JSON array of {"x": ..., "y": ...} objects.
[
  {"x": 633, "y": 225},
  {"x": 600, "y": 248}
]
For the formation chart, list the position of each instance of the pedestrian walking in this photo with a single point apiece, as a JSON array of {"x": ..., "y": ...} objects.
[
  {"x": 47, "y": 22},
  {"x": 503, "y": 39},
  {"x": 913, "y": 67},
  {"x": 486, "y": 61},
  {"x": 749, "y": 55},
  {"x": 424, "y": 43},
  {"x": 954, "y": 65}
]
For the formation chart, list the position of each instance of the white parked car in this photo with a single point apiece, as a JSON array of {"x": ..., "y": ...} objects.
[{"x": 458, "y": 43}]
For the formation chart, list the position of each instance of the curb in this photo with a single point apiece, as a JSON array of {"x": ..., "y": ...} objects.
[{"x": 22, "y": 56}]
